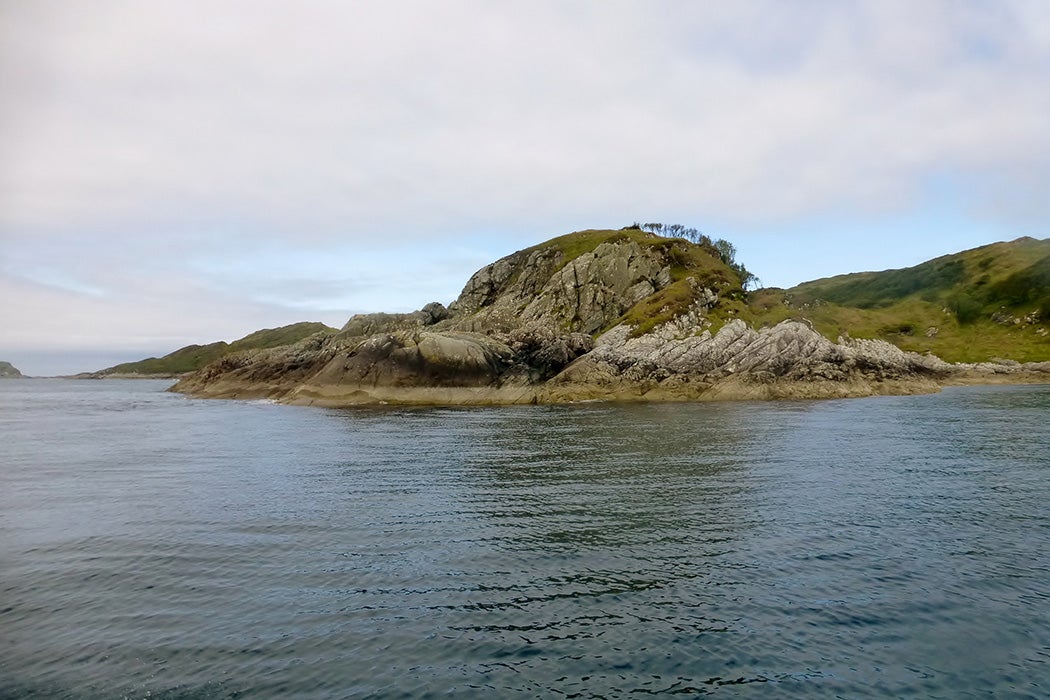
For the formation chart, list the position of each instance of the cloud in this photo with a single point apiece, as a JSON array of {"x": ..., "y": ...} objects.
[
  {"x": 320, "y": 118},
  {"x": 223, "y": 136}
]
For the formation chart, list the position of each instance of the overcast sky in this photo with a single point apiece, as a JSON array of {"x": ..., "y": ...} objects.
[{"x": 184, "y": 172}]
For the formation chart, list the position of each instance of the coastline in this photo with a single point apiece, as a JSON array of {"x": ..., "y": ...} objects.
[{"x": 730, "y": 389}]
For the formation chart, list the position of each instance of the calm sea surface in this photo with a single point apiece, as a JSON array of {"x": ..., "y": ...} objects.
[{"x": 157, "y": 546}]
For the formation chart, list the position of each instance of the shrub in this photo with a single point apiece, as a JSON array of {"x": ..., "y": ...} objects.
[{"x": 966, "y": 308}]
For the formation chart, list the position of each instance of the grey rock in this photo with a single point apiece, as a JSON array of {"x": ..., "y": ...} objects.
[
  {"x": 433, "y": 313},
  {"x": 364, "y": 325},
  {"x": 545, "y": 351},
  {"x": 596, "y": 288},
  {"x": 585, "y": 295},
  {"x": 790, "y": 350},
  {"x": 419, "y": 359}
]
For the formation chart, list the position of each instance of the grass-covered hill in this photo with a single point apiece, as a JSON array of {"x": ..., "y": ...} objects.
[
  {"x": 193, "y": 357},
  {"x": 988, "y": 302},
  {"x": 9, "y": 371}
]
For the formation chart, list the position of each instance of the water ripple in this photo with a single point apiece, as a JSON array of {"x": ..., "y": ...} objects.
[{"x": 153, "y": 546}]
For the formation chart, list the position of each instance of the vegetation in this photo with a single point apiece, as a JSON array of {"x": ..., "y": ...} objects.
[
  {"x": 7, "y": 370},
  {"x": 976, "y": 305},
  {"x": 694, "y": 267},
  {"x": 726, "y": 250},
  {"x": 276, "y": 337},
  {"x": 573, "y": 245},
  {"x": 697, "y": 262},
  {"x": 193, "y": 357}
]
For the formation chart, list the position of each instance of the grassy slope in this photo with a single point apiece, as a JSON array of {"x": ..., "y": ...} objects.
[
  {"x": 193, "y": 357},
  {"x": 956, "y": 294}
]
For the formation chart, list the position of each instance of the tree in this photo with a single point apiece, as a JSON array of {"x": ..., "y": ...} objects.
[{"x": 725, "y": 250}]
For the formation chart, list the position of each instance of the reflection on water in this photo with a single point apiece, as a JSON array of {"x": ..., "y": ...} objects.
[{"x": 156, "y": 545}]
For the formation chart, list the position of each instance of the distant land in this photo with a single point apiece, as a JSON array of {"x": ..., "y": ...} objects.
[
  {"x": 631, "y": 315},
  {"x": 9, "y": 371},
  {"x": 193, "y": 357},
  {"x": 988, "y": 302}
]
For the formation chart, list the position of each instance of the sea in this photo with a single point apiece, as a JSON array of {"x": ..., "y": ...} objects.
[{"x": 158, "y": 546}]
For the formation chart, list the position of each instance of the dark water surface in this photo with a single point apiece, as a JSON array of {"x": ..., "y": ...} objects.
[{"x": 156, "y": 546}]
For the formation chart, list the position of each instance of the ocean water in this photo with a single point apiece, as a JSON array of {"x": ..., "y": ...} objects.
[{"x": 157, "y": 546}]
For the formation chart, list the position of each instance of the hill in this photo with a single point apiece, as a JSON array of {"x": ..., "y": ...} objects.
[
  {"x": 984, "y": 303},
  {"x": 631, "y": 315},
  {"x": 194, "y": 357},
  {"x": 9, "y": 371}
]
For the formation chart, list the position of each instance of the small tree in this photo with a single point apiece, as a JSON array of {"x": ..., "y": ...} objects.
[
  {"x": 725, "y": 250},
  {"x": 748, "y": 280}
]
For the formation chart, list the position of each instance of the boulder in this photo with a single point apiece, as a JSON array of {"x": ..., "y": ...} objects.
[{"x": 419, "y": 359}]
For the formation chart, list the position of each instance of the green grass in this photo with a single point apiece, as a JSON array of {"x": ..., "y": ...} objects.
[
  {"x": 573, "y": 245},
  {"x": 686, "y": 260},
  {"x": 977, "y": 281},
  {"x": 276, "y": 337},
  {"x": 665, "y": 305},
  {"x": 185, "y": 359},
  {"x": 956, "y": 294},
  {"x": 193, "y": 357}
]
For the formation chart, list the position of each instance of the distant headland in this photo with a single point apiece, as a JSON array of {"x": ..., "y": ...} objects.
[
  {"x": 637, "y": 314},
  {"x": 9, "y": 371}
]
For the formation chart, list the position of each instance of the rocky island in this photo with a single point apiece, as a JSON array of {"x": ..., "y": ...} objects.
[
  {"x": 9, "y": 371},
  {"x": 633, "y": 316}
]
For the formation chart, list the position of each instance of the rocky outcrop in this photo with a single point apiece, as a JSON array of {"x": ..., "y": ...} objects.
[
  {"x": 545, "y": 352},
  {"x": 9, "y": 371},
  {"x": 539, "y": 287},
  {"x": 364, "y": 325},
  {"x": 419, "y": 359},
  {"x": 592, "y": 316},
  {"x": 790, "y": 359}
]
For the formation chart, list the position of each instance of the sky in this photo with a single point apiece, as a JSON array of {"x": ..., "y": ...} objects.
[{"x": 186, "y": 172}]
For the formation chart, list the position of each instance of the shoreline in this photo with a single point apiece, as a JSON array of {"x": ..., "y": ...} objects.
[{"x": 731, "y": 389}]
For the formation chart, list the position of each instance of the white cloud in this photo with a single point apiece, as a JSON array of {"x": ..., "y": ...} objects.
[
  {"x": 322, "y": 117},
  {"x": 158, "y": 128}
]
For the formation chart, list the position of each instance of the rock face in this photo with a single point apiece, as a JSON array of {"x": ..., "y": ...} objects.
[
  {"x": 540, "y": 287},
  {"x": 8, "y": 371},
  {"x": 595, "y": 315}
]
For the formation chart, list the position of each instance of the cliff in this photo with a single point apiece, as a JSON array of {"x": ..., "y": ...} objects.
[{"x": 594, "y": 315}]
